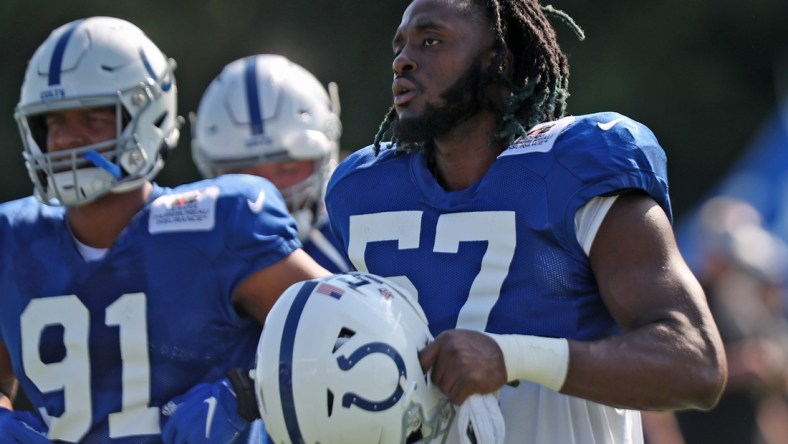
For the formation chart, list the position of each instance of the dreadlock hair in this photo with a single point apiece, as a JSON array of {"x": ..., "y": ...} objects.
[{"x": 539, "y": 83}]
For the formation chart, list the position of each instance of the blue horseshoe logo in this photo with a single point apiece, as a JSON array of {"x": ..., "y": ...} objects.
[{"x": 354, "y": 358}]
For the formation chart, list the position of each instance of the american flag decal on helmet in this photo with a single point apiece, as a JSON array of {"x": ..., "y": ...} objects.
[{"x": 330, "y": 290}]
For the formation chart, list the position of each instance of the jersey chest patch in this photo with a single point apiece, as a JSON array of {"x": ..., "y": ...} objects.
[
  {"x": 190, "y": 211},
  {"x": 540, "y": 139}
]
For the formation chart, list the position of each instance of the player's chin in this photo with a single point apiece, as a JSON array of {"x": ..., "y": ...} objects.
[{"x": 407, "y": 112}]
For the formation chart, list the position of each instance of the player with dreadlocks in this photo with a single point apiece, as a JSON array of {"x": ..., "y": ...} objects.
[
  {"x": 539, "y": 90},
  {"x": 539, "y": 245}
]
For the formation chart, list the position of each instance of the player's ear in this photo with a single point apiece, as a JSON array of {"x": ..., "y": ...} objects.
[{"x": 505, "y": 63}]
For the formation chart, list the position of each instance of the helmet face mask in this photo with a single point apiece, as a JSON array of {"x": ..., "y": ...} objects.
[
  {"x": 266, "y": 109},
  {"x": 338, "y": 363},
  {"x": 93, "y": 63}
]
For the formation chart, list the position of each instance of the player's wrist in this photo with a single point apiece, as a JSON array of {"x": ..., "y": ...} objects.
[
  {"x": 535, "y": 358},
  {"x": 243, "y": 385}
]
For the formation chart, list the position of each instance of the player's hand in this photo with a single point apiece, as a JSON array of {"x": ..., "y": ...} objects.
[
  {"x": 208, "y": 413},
  {"x": 22, "y": 427},
  {"x": 464, "y": 362}
]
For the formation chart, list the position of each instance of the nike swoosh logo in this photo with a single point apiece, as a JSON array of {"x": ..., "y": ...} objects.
[
  {"x": 611, "y": 124},
  {"x": 257, "y": 205},
  {"x": 209, "y": 420}
]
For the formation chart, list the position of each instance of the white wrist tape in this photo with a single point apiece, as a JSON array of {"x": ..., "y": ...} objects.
[{"x": 535, "y": 358}]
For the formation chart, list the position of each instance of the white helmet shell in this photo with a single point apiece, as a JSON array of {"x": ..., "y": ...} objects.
[
  {"x": 98, "y": 62},
  {"x": 338, "y": 363},
  {"x": 266, "y": 109}
]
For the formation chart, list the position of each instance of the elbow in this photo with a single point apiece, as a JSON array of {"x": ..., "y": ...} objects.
[
  {"x": 716, "y": 386},
  {"x": 710, "y": 383}
]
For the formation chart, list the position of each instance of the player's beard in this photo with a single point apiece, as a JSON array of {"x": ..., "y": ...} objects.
[{"x": 462, "y": 100}]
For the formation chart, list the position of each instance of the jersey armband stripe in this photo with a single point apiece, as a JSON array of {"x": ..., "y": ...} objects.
[{"x": 534, "y": 358}]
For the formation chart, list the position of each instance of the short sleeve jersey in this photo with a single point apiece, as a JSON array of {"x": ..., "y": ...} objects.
[
  {"x": 502, "y": 255},
  {"x": 100, "y": 346}
]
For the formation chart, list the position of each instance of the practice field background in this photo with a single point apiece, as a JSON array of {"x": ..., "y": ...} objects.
[{"x": 702, "y": 75}]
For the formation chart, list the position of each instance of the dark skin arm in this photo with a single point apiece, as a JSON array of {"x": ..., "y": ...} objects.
[{"x": 670, "y": 355}]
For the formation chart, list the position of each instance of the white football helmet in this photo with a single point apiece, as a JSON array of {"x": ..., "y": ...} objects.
[
  {"x": 266, "y": 109},
  {"x": 338, "y": 363},
  {"x": 98, "y": 62}
]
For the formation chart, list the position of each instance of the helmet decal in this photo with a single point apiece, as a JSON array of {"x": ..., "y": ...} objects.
[{"x": 347, "y": 363}]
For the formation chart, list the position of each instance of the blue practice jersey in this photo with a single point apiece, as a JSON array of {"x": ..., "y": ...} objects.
[
  {"x": 501, "y": 255},
  {"x": 100, "y": 346}
]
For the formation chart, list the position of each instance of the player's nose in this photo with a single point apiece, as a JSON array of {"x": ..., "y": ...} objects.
[{"x": 403, "y": 61}]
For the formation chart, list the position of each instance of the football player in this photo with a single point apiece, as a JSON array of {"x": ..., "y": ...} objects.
[
  {"x": 267, "y": 116},
  {"x": 120, "y": 295},
  {"x": 539, "y": 245}
]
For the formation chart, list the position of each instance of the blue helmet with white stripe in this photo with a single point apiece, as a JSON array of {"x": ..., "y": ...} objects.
[
  {"x": 98, "y": 62},
  {"x": 338, "y": 362},
  {"x": 266, "y": 109}
]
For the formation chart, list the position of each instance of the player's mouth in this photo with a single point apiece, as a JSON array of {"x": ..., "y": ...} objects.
[{"x": 403, "y": 91}]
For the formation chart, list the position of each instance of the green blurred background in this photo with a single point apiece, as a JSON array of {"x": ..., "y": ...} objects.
[{"x": 702, "y": 75}]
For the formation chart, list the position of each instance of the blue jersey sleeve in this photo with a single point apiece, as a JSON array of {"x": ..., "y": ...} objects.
[
  {"x": 593, "y": 155},
  {"x": 258, "y": 230},
  {"x": 610, "y": 153}
]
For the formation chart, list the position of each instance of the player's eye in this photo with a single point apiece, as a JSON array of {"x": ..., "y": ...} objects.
[
  {"x": 101, "y": 121},
  {"x": 52, "y": 120},
  {"x": 430, "y": 42}
]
